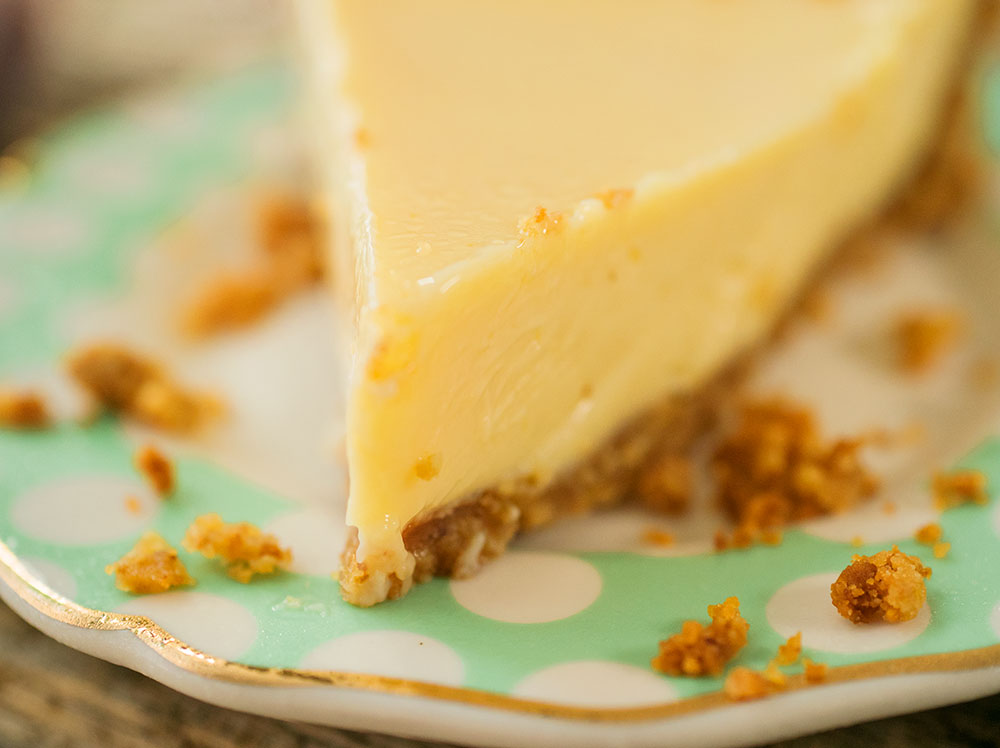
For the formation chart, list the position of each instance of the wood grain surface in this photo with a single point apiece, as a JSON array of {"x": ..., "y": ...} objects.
[{"x": 52, "y": 696}]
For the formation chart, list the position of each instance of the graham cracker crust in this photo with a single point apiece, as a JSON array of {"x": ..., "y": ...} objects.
[{"x": 457, "y": 540}]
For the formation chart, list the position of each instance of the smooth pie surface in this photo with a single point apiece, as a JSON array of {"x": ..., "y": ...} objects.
[{"x": 694, "y": 159}]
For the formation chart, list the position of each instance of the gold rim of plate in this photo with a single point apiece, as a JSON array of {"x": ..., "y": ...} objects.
[{"x": 63, "y": 610}]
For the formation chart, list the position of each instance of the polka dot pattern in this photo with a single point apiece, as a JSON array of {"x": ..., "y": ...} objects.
[
  {"x": 209, "y": 622},
  {"x": 529, "y": 587},
  {"x": 85, "y": 509},
  {"x": 571, "y": 615},
  {"x": 804, "y": 605},
  {"x": 395, "y": 654},
  {"x": 597, "y": 684}
]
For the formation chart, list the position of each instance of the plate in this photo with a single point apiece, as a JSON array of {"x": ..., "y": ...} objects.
[{"x": 126, "y": 208}]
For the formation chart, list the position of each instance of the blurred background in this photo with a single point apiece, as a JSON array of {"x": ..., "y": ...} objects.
[{"x": 59, "y": 55}]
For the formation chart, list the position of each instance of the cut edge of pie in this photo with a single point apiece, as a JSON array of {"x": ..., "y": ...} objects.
[{"x": 456, "y": 538}]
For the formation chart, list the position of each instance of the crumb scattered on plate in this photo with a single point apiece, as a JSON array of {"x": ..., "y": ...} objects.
[
  {"x": 23, "y": 410},
  {"x": 151, "y": 566},
  {"x": 888, "y": 586},
  {"x": 774, "y": 467},
  {"x": 657, "y": 537},
  {"x": 289, "y": 259},
  {"x": 156, "y": 468},
  {"x": 124, "y": 381},
  {"x": 959, "y": 487},
  {"x": 928, "y": 534},
  {"x": 789, "y": 652},
  {"x": 704, "y": 650},
  {"x": 815, "y": 672},
  {"x": 242, "y": 547}
]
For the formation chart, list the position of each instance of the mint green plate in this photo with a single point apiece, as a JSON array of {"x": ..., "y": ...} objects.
[{"x": 127, "y": 207}]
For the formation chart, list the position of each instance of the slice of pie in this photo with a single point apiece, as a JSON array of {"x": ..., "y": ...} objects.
[{"x": 556, "y": 223}]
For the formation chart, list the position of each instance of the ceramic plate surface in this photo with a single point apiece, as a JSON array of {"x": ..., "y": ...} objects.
[{"x": 127, "y": 207}]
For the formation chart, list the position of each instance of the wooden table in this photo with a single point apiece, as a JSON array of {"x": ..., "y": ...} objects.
[{"x": 51, "y": 696}]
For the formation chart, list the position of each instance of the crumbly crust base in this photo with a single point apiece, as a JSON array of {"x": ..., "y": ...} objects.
[{"x": 456, "y": 540}]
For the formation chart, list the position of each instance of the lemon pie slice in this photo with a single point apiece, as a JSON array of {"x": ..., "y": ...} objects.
[{"x": 555, "y": 223}]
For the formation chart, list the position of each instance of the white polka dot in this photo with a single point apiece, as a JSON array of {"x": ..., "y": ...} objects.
[
  {"x": 395, "y": 654},
  {"x": 995, "y": 619},
  {"x": 621, "y": 530},
  {"x": 529, "y": 587},
  {"x": 804, "y": 605},
  {"x": 872, "y": 523},
  {"x": 84, "y": 509},
  {"x": 52, "y": 575},
  {"x": 215, "y": 625},
  {"x": 316, "y": 538},
  {"x": 49, "y": 230},
  {"x": 596, "y": 683}
]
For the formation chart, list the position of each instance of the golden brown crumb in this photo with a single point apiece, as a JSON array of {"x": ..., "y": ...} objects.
[
  {"x": 133, "y": 505},
  {"x": 23, "y": 410},
  {"x": 744, "y": 684},
  {"x": 427, "y": 467},
  {"x": 151, "y": 566},
  {"x": 157, "y": 468},
  {"x": 289, "y": 236},
  {"x": 773, "y": 468},
  {"x": 925, "y": 337},
  {"x": 615, "y": 197},
  {"x": 940, "y": 550},
  {"x": 889, "y": 507},
  {"x": 857, "y": 541},
  {"x": 665, "y": 484},
  {"x": 539, "y": 224},
  {"x": 242, "y": 547},
  {"x": 788, "y": 653},
  {"x": 959, "y": 487},
  {"x": 229, "y": 302},
  {"x": 704, "y": 650},
  {"x": 773, "y": 675},
  {"x": 657, "y": 537},
  {"x": 124, "y": 381},
  {"x": 771, "y": 537},
  {"x": 815, "y": 672},
  {"x": 928, "y": 534},
  {"x": 888, "y": 586},
  {"x": 362, "y": 138}
]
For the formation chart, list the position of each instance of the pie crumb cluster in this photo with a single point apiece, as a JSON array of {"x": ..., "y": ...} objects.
[
  {"x": 289, "y": 240},
  {"x": 151, "y": 566},
  {"x": 23, "y": 410},
  {"x": 157, "y": 468},
  {"x": 242, "y": 547},
  {"x": 925, "y": 337},
  {"x": 888, "y": 586},
  {"x": 704, "y": 650},
  {"x": 959, "y": 487},
  {"x": 774, "y": 468},
  {"x": 127, "y": 382}
]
